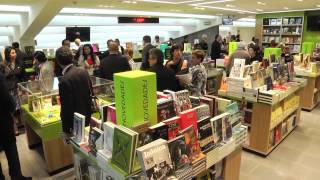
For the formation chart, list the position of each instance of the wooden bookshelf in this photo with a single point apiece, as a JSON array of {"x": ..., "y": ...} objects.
[
  {"x": 282, "y": 29},
  {"x": 310, "y": 95}
]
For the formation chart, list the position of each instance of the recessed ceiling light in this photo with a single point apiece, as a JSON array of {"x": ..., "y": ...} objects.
[
  {"x": 130, "y": 2},
  {"x": 286, "y": 8},
  {"x": 230, "y": 5},
  {"x": 300, "y": 0},
  {"x": 259, "y": 10},
  {"x": 318, "y": 5},
  {"x": 261, "y": 3}
]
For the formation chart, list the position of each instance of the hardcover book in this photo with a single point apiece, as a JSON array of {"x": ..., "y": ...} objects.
[
  {"x": 165, "y": 109},
  {"x": 210, "y": 102},
  {"x": 203, "y": 111},
  {"x": 103, "y": 113},
  {"x": 181, "y": 100},
  {"x": 188, "y": 118},
  {"x": 173, "y": 127},
  {"x": 124, "y": 146},
  {"x": 94, "y": 122},
  {"x": 192, "y": 144},
  {"x": 111, "y": 114},
  {"x": 226, "y": 127},
  {"x": 179, "y": 156},
  {"x": 78, "y": 127},
  {"x": 136, "y": 98},
  {"x": 205, "y": 134},
  {"x": 216, "y": 124},
  {"x": 108, "y": 129},
  {"x": 155, "y": 160},
  {"x": 159, "y": 130},
  {"x": 238, "y": 68},
  {"x": 95, "y": 140}
]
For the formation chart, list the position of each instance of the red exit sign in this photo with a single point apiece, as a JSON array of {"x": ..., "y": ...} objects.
[{"x": 140, "y": 20}]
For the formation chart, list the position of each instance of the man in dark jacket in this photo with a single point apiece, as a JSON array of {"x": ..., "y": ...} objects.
[
  {"x": 216, "y": 48},
  {"x": 7, "y": 136},
  {"x": 114, "y": 63},
  {"x": 74, "y": 90},
  {"x": 145, "y": 52}
]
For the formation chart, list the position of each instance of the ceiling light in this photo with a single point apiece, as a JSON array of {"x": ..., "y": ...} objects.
[
  {"x": 261, "y": 3},
  {"x": 133, "y": 13},
  {"x": 286, "y": 8},
  {"x": 230, "y": 5},
  {"x": 318, "y": 5},
  {"x": 170, "y": 2},
  {"x": 259, "y": 10},
  {"x": 213, "y": 2},
  {"x": 225, "y": 9},
  {"x": 175, "y": 10},
  {"x": 12, "y": 8},
  {"x": 300, "y": 0},
  {"x": 130, "y": 2}
]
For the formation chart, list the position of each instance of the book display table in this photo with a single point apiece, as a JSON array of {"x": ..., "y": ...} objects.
[
  {"x": 310, "y": 95},
  {"x": 270, "y": 123},
  {"x": 40, "y": 110}
]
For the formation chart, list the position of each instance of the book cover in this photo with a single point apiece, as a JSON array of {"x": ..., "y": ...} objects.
[
  {"x": 226, "y": 127},
  {"x": 81, "y": 167},
  {"x": 159, "y": 130},
  {"x": 78, "y": 127},
  {"x": 205, "y": 134},
  {"x": 238, "y": 68},
  {"x": 124, "y": 146},
  {"x": 210, "y": 102},
  {"x": 95, "y": 140},
  {"x": 192, "y": 144},
  {"x": 165, "y": 109},
  {"x": 203, "y": 111},
  {"x": 173, "y": 127},
  {"x": 94, "y": 122},
  {"x": 222, "y": 104},
  {"x": 111, "y": 114},
  {"x": 108, "y": 129},
  {"x": 179, "y": 155},
  {"x": 155, "y": 160},
  {"x": 136, "y": 98},
  {"x": 181, "y": 100},
  {"x": 216, "y": 124},
  {"x": 188, "y": 118},
  {"x": 103, "y": 113}
]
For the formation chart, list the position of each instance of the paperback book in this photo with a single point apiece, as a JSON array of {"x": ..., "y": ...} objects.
[
  {"x": 192, "y": 144},
  {"x": 78, "y": 127},
  {"x": 173, "y": 127},
  {"x": 95, "y": 140},
  {"x": 165, "y": 109},
  {"x": 205, "y": 134},
  {"x": 155, "y": 160},
  {"x": 188, "y": 118},
  {"x": 203, "y": 111}
]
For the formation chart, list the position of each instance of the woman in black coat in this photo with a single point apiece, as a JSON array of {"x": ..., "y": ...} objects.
[
  {"x": 165, "y": 77},
  {"x": 7, "y": 136}
]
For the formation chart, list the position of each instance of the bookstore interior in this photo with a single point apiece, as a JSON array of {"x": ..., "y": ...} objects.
[{"x": 160, "y": 89}]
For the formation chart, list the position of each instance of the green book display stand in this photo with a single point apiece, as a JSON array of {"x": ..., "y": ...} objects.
[
  {"x": 307, "y": 47},
  {"x": 269, "y": 51},
  {"x": 136, "y": 98},
  {"x": 233, "y": 46}
]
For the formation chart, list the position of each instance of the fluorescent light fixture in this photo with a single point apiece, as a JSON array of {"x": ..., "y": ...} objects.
[
  {"x": 130, "y": 2},
  {"x": 246, "y": 20},
  {"x": 199, "y": 8},
  {"x": 213, "y": 2},
  {"x": 286, "y": 8},
  {"x": 225, "y": 9},
  {"x": 133, "y": 13},
  {"x": 259, "y": 10},
  {"x": 300, "y": 0},
  {"x": 261, "y": 3},
  {"x": 170, "y": 2},
  {"x": 230, "y": 5},
  {"x": 12, "y": 8},
  {"x": 318, "y": 5},
  {"x": 291, "y": 10}
]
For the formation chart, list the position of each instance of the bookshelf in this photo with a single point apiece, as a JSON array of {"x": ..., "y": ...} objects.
[
  {"x": 263, "y": 120},
  {"x": 286, "y": 30}
]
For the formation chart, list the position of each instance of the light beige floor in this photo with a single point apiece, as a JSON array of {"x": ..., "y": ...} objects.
[{"x": 296, "y": 158}]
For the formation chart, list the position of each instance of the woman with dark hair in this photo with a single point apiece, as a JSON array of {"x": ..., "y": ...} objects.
[
  {"x": 177, "y": 64},
  {"x": 165, "y": 77},
  {"x": 89, "y": 60},
  {"x": 255, "y": 55},
  {"x": 13, "y": 74},
  {"x": 44, "y": 69},
  {"x": 197, "y": 87}
]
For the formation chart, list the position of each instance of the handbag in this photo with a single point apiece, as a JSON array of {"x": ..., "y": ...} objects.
[{"x": 94, "y": 99}]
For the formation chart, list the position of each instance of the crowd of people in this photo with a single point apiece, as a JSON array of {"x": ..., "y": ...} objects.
[{"x": 74, "y": 66}]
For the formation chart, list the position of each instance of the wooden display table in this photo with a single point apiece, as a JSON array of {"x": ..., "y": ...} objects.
[
  {"x": 310, "y": 96},
  {"x": 263, "y": 126},
  {"x": 57, "y": 155}
]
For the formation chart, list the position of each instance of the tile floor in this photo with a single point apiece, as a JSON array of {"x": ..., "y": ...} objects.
[{"x": 296, "y": 158}]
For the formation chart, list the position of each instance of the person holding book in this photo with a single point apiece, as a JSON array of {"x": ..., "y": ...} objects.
[
  {"x": 75, "y": 90},
  {"x": 197, "y": 87},
  {"x": 177, "y": 64},
  {"x": 88, "y": 60},
  {"x": 165, "y": 77},
  {"x": 7, "y": 136}
]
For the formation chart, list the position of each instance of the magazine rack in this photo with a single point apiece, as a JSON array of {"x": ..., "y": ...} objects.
[{"x": 41, "y": 114}]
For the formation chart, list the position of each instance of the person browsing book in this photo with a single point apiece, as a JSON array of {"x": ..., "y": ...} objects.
[
  {"x": 240, "y": 53},
  {"x": 165, "y": 77},
  {"x": 74, "y": 90},
  {"x": 254, "y": 53},
  {"x": 44, "y": 69},
  {"x": 197, "y": 87},
  {"x": 177, "y": 64},
  {"x": 88, "y": 60}
]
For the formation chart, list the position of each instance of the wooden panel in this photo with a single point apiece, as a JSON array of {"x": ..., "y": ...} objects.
[
  {"x": 57, "y": 154},
  {"x": 32, "y": 138},
  {"x": 307, "y": 95},
  {"x": 259, "y": 30},
  {"x": 260, "y": 124},
  {"x": 232, "y": 165}
]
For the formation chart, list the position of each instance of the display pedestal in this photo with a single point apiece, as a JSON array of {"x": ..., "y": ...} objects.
[
  {"x": 58, "y": 156},
  {"x": 232, "y": 165},
  {"x": 310, "y": 96}
]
